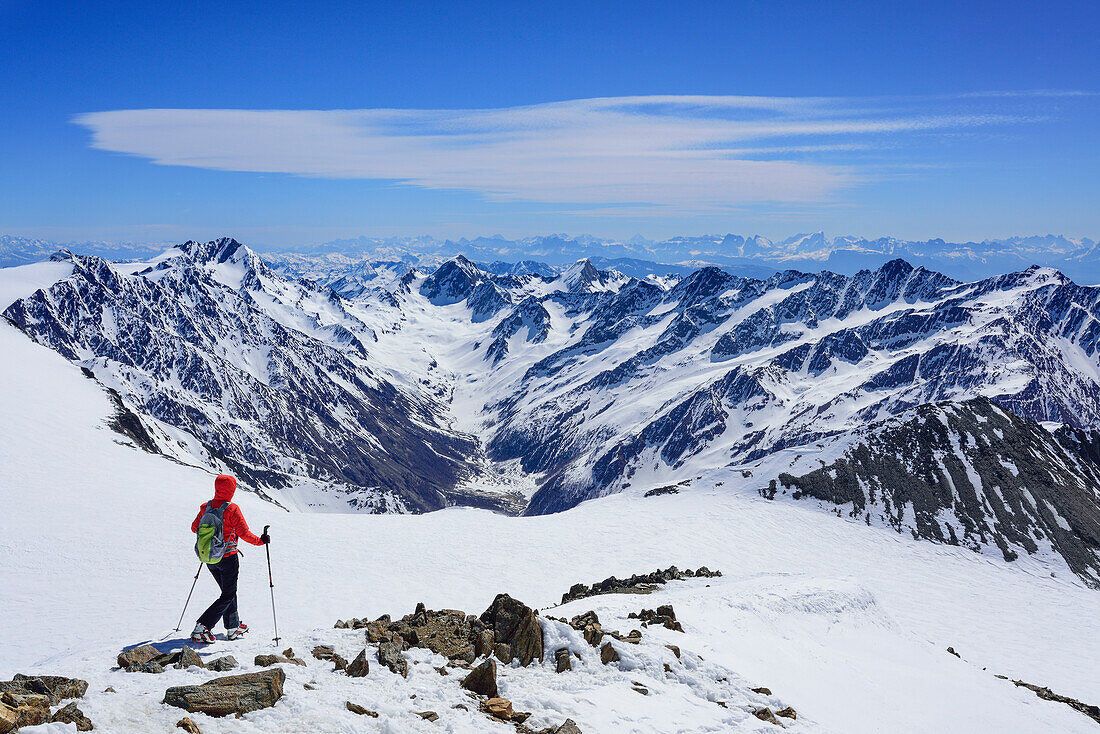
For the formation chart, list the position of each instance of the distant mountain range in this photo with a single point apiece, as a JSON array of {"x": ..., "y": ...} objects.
[
  {"x": 393, "y": 384},
  {"x": 752, "y": 256}
]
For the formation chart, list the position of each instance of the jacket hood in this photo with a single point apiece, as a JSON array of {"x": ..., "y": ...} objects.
[{"x": 224, "y": 487}]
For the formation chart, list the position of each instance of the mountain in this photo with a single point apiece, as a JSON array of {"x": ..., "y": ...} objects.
[
  {"x": 970, "y": 474},
  {"x": 270, "y": 378},
  {"x": 538, "y": 389},
  {"x": 22, "y": 250}
]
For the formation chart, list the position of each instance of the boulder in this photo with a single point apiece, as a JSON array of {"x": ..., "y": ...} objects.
[
  {"x": 151, "y": 667},
  {"x": 498, "y": 708},
  {"x": 787, "y": 713},
  {"x": 483, "y": 679},
  {"x": 19, "y": 709},
  {"x": 389, "y": 654},
  {"x": 568, "y": 727},
  {"x": 675, "y": 650},
  {"x": 234, "y": 694},
  {"x": 428, "y": 715},
  {"x": 339, "y": 661},
  {"x": 55, "y": 687},
  {"x": 357, "y": 709},
  {"x": 222, "y": 664},
  {"x": 264, "y": 661},
  {"x": 608, "y": 654},
  {"x": 70, "y": 714},
  {"x": 762, "y": 691},
  {"x": 138, "y": 656},
  {"x": 359, "y": 667},
  {"x": 563, "y": 659},
  {"x": 323, "y": 652},
  {"x": 765, "y": 714},
  {"x": 188, "y": 726},
  {"x": 189, "y": 659},
  {"x": 503, "y": 652},
  {"x": 517, "y": 625}
]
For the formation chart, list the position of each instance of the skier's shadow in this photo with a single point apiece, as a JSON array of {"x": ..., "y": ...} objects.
[{"x": 167, "y": 646}]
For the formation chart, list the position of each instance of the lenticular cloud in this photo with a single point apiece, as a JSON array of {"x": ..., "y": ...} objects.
[{"x": 683, "y": 151}]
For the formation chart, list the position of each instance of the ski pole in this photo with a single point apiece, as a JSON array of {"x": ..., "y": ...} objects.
[
  {"x": 189, "y": 593},
  {"x": 270, "y": 580}
]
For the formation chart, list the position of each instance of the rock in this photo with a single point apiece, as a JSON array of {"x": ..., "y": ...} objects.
[
  {"x": 515, "y": 624},
  {"x": 339, "y": 661},
  {"x": 498, "y": 708},
  {"x": 389, "y": 654},
  {"x": 70, "y": 714},
  {"x": 428, "y": 715},
  {"x": 563, "y": 659},
  {"x": 234, "y": 694},
  {"x": 675, "y": 650},
  {"x": 264, "y": 661},
  {"x": 641, "y": 689},
  {"x": 137, "y": 656},
  {"x": 483, "y": 643},
  {"x": 483, "y": 679},
  {"x": 151, "y": 667},
  {"x": 188, "y": 726},
  {"x": 359, "y": 667},
  {"x": 55, "y": 687},
  {"x": 20, "y": 708},
  {"x": 568, "y": 727},
  {"x": 503, "y": 652},
  {"x": 288, "y": 653},
  {"x": 442, "y": 670},
  {"x": 357, "y": 709},
  {"x": 222, "y": 664},
  {"x": 608, "y": 654},
  {"x": 762, "y": 691},
  {"x": 520, "y": 716},
  {"x": 189, "y": 659},
  {"x": 323, "y": 652},
  {"x": 109, "y": 689},
  {"x": 952, "y": 651},
  {"x": 765, "y": 714},
  {"x": 589, "y": 625},
  {"x": 309, "y": 687},
  {"x": 787, "y": 713}
]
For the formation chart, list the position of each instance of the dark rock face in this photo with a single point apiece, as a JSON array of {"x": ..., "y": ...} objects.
[
  {"x": 1031, "y": 484},
  {"x": 482, "y": 680},
  {"x": 516, "y": 625},
  {"x": 608, "y": 653},
  {"x": 389, "y": 654},
  {"x": 235, "y": 694}
]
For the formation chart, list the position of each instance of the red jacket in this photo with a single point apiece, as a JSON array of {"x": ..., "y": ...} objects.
[{"x": 233, "y": 524}]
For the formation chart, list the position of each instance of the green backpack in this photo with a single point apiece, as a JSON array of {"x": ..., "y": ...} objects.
[{"x": 210, "y": 545}]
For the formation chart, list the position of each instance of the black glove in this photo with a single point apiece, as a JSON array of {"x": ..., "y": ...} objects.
[{"x": 265, "y": 538}]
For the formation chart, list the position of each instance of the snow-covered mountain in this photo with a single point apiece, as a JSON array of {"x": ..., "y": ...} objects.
[{"x": 413, "y": 388}]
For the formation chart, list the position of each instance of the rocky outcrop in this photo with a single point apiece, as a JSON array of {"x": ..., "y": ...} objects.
[
  {"x": 636, "y": 584},
  {"x": 663, "y": 615},
  {"x": 1093, "y": 712},
  {"x": 515, "y": 624},
  {"x": 389, "y": 654},
  {"x": 234, "y": 694}
]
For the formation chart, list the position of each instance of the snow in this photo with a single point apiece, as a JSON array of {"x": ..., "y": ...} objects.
[{"x": 846, "y": 623}]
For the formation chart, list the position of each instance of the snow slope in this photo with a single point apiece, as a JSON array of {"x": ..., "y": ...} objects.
[{"x": 846, "y": 623}]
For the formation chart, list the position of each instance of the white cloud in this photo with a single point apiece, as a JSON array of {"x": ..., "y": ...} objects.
[{"x": 683, "y": 151}]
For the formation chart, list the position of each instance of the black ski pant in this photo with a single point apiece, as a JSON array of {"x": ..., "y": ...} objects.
[{"x": 225, "y": 606}]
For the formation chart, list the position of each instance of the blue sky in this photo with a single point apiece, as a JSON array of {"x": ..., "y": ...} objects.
[{"x": 285, "y": 123}]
